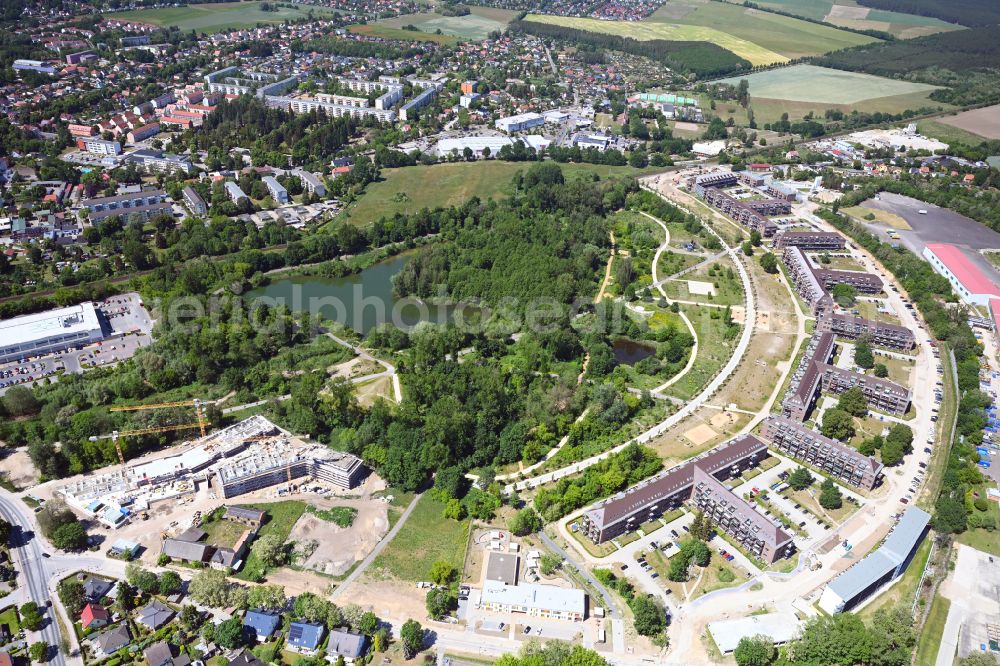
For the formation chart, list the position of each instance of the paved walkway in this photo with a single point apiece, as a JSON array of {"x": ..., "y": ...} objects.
[
  {"x": 691, "y": 406},
  {"x": 365, "y": 563}
]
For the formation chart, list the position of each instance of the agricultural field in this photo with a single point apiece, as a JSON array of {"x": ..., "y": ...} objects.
[
  {"x": 785, "y": 35},
  {"x": 646, "y": 31},
  {"x": 935, "y": 128},
  {"x": 820, "y": 85},
  {"x": 983, "y": 122},
  {"x": 404, "y": 190},
  {"x": 848, "y": 14},
  {"x": 478, "y": 24},
  {"x": 799, "y": 89},
  {"x": 216, "y": 17}
]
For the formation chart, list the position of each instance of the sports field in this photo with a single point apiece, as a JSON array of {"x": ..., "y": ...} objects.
[
  {"x": 848, "y": 14},
  {"x": 821, "y": 85},
  {"x": 791, "y": 37},
  {"x": 215, "y": 17},
  {"x": 478, "y": 24}
]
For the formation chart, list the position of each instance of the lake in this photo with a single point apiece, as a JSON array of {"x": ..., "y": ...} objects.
[
  {"x": 630, "y": 352},
  {"x": 360, "y": 301}
]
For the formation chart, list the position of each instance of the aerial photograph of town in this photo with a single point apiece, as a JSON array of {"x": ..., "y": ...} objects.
[{"x": 513, "y": 332}]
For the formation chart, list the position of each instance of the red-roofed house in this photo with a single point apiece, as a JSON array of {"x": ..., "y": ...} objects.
[
  {"x": 969, "y": 280},
  {"x": 93, "y": 615}
]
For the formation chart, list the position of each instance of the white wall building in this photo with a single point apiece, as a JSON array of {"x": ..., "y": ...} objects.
[
  {"x": 544, "y": 601},
  {"x": 520, "y": 122},
  {"x": 44, "y": 332}
]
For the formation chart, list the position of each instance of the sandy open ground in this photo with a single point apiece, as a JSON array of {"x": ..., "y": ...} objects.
[
  {"x": 338, "y": 548},
  {"x": 700, "y": 434},
  {"x": 985, "y": 122},
  {"x": 18, "y": 469}
]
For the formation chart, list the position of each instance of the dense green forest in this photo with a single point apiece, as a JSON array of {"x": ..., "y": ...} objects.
[
  {"x": 457, "y": 413},
  {"x": 966, "y": 12},
  {"x": 702, "y": 59},
  {"x": 966, "y": 62}
]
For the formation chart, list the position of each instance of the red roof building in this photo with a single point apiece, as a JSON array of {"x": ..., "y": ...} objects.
[
  {"x": 93, "y": 615},
  {"x": 971, "y": 283}
]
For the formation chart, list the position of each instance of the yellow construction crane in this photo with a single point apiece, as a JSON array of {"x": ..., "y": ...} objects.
[{"x": 115, "y": 435}]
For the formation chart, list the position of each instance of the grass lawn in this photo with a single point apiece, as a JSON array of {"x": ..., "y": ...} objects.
[
  {"x": 836, "y": 263},
  {"x": 718, "y": 575},
  {"x": 9, "y": 617},
  {"x": 675, "y": 262},
  {"x": 981, "y": 539},
  {"x": 811, "y": 503},
  {"x": 216, "y": 17},
  {"x": 930, "y": 634},
  {"x": 821, "y": 85},
  {"x": 343, "y": 516},
  {"x": 405, "y": 190},
  {"x": 223, "y": 532},
  {"x": 595, "y": 549},
  {"x": 905, "y": 588},
  {"x": 899, "y": 370},
  {"x": 425, "y": 538},
  {"x": 891, "y": 220},
  {"x": 478, "y": 24},
  {"x": 713, "y": 352},
  {"x": 388, "y": 32},
  {"x": 281, "y": 516}
]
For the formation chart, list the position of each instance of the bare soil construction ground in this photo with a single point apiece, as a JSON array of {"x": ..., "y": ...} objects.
[
  {"x": 338, "y": 548},
  {"x": 17, "y": 467}
]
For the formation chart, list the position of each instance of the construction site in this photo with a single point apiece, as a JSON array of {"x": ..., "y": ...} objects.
[{"x": 253, "y": 456}]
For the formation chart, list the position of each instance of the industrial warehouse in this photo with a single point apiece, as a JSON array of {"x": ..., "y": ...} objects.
[{"x": 51, "y": 331}]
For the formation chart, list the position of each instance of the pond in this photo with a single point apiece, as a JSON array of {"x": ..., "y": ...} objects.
[
  {"x": 630, "y": 352},
  {"x": 360, "y": 301}
]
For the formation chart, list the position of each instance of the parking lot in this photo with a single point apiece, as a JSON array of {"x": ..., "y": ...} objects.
[{"x": 128, "y": 329}]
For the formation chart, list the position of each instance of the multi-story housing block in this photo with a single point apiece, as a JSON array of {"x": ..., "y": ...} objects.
[
  {"x": 651, "y": 498},
  {"x": 805, "y": 384},
  {"x": 881, "y": 394},
  {"x": 828, "y": 455},
  {"x": 737, "y": 518},
  {"x": 810, "y": 240},
  {"x": 852, "y": 327}
]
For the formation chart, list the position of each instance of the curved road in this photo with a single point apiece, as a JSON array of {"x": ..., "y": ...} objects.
[{"x": 693, "y": 404}]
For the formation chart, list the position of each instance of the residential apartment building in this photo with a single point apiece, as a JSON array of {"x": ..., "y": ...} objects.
[
  {"x": 823, "y": 453},
  {"x": 853, "y": 327},
  {"x": 751, "y": 214},
  {"x": 142, "y": 133},
  {"x": 881, "y": 394},
  {"x": 309, "y": 104},
  {"x": 276, "y": 189},
  {"x": 156, "y": 161},
  {"x": 99, "y": 146},
  {"x": 810, "y": 240},
  {"x": 739, "y": 519},
  {"x": 804, "y": 387},
  {"x": 653, "y": 497},
  {"x": 234, "y": 192},
  {"x": 311, "y": 183},
  {"x": 265, "y": 470},
  {"x": 698, "y": 184},
  {"x": 194, "y": 201},
  {"x": 145, "y": 204},
  {"x": 804, "y": 277}
]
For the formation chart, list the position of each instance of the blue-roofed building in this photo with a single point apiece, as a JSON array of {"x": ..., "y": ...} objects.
[
  {"x": 854, "y": 587},
  {"x": 304, "y": 637},
  {"x": 263, "y": 624}
]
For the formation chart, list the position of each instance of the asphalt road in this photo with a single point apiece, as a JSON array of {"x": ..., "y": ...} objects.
[{"x": 28, "y": 556}]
